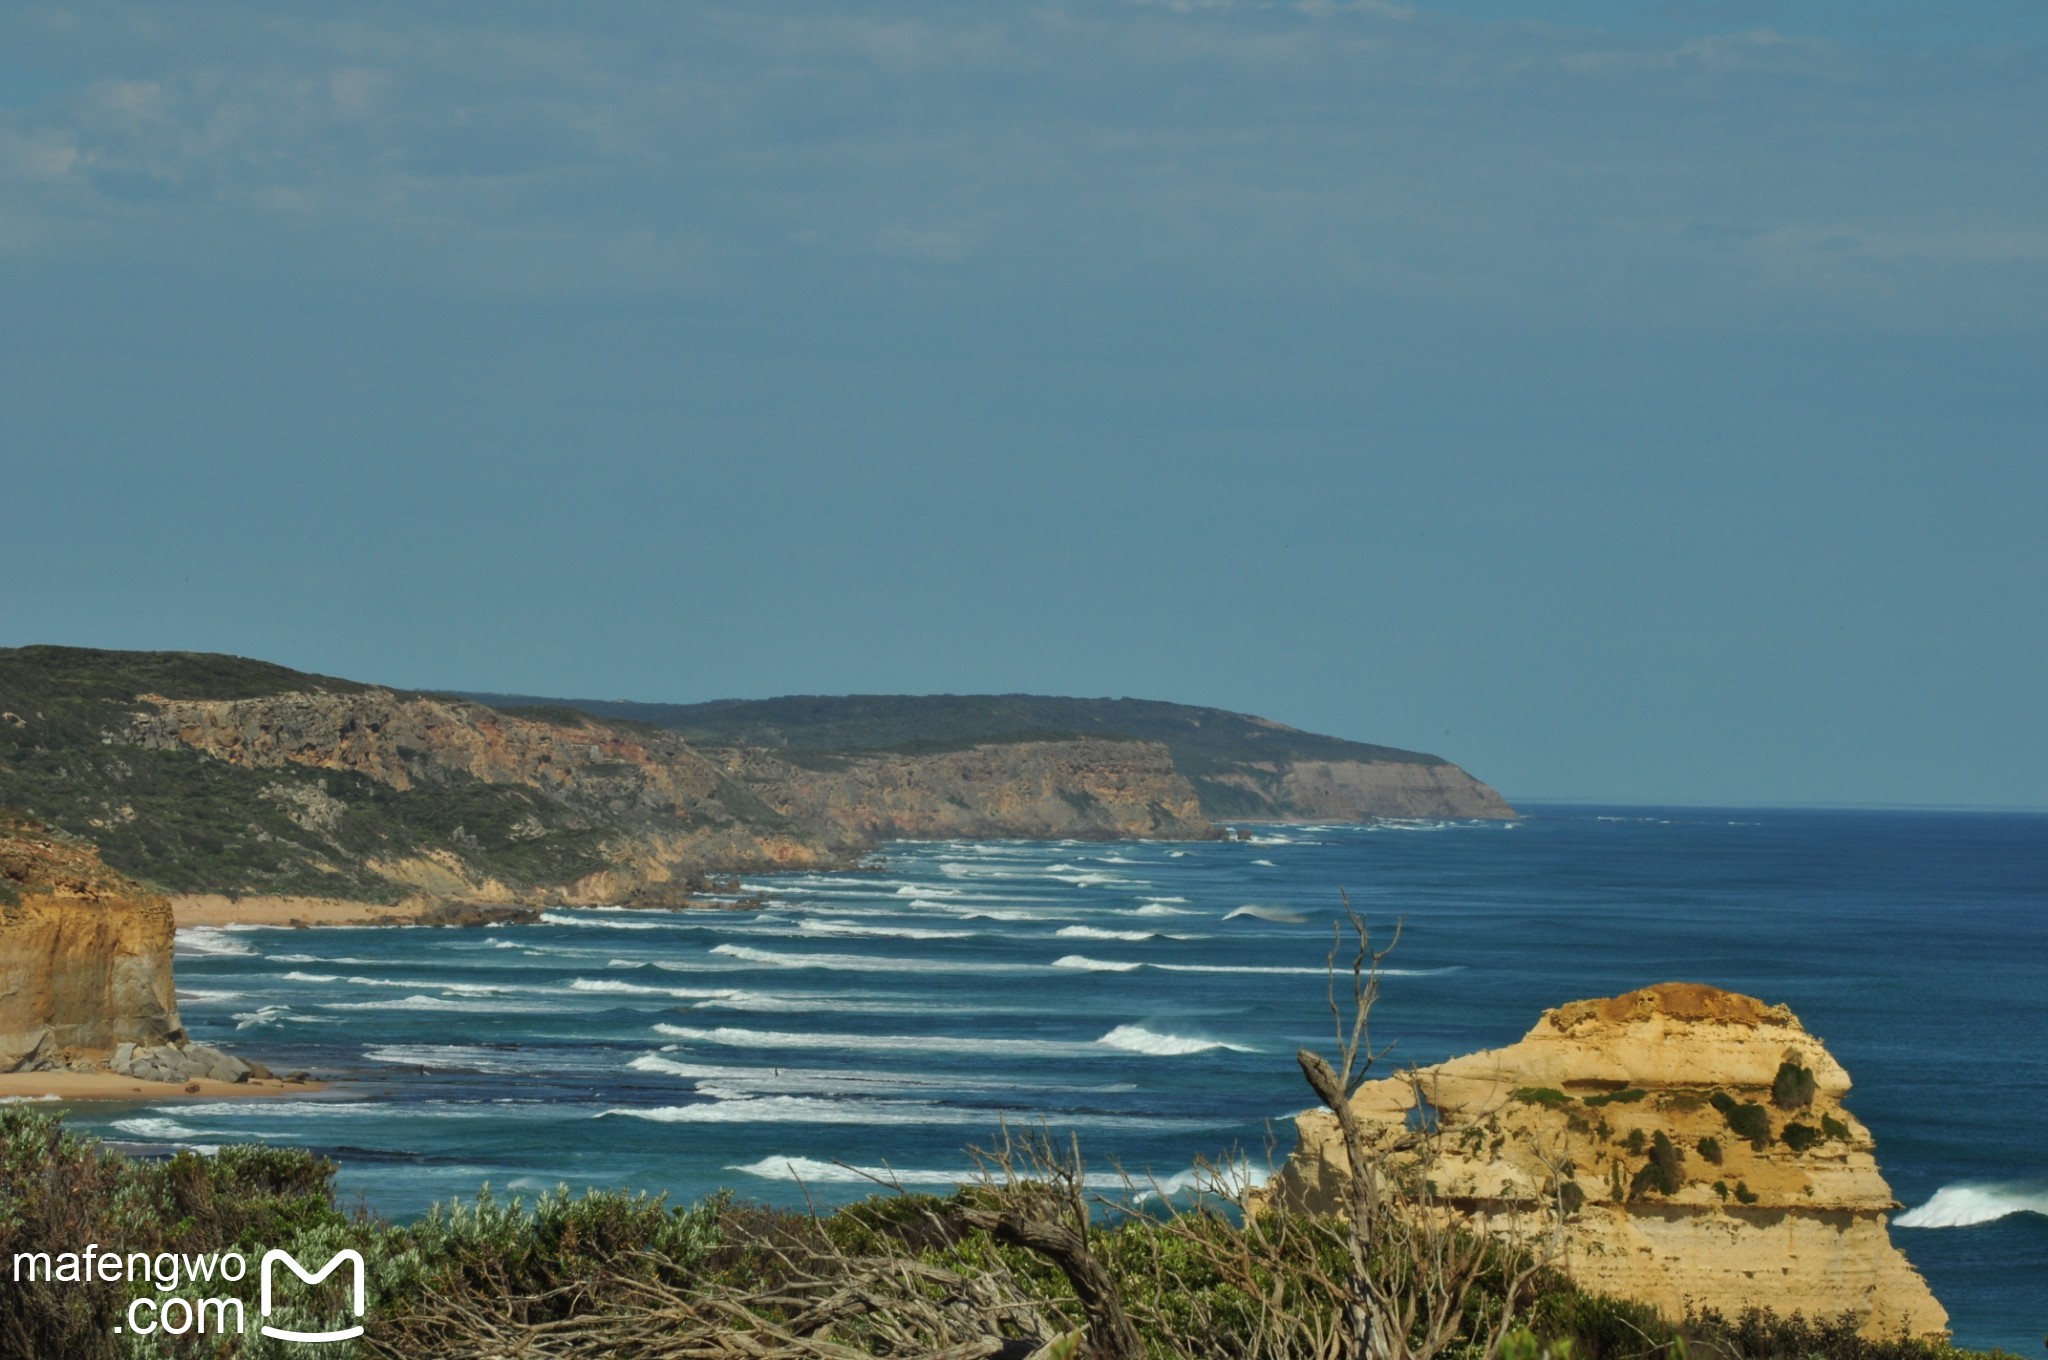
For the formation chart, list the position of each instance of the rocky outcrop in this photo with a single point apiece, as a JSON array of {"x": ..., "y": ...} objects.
[
  {"x": 85, "y": 956},
  {"x": 1698, "y": 1138},
  {"x": 1083, "y": 789},
  {"x": 660, "y": 812},
  {"x": 179, "y": 1063},
  {"x": 1361, "y": 790}
]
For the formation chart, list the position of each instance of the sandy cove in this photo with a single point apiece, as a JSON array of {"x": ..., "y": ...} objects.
[
  {"x": 217, "y": 909},
  {"x": 71, "y": 1086}
]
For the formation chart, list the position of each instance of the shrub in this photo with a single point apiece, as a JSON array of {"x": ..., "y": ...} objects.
[
  {"x": 1745, "y": 1120},
  {"x": 1834, "y": 1128},
  {"x": 1548, "y": 1097},
  {"x": 1800, "y": 1137},
  {"x": 1627, "y": 1097},
  {"x": 1743, "y": 1194},
  {"x": 1661, "y": 1174},
  {"x": 1794, "y": 1087},
  {"x": 1710, "y": 1149}
]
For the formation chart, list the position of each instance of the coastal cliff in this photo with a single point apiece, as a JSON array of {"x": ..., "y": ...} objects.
[
  {"x": 85, "y": 955},
  {"x": 1242, "y": 767},
  {"x": 1707, "y": 1156},
  {"x": 254, "y": 792},
  {"x": 1082, "y": 789}
]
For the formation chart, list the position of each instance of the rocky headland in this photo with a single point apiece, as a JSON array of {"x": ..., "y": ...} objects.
[
  {"x": 1243, "y": 768},
  {"x": 86, "y": 987},
  {"x": 1696, "y": 1138},
  {"x": 247, "y": 791}
]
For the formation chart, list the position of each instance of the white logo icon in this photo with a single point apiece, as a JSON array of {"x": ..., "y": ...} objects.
[{"x": 352, "y": 1256}]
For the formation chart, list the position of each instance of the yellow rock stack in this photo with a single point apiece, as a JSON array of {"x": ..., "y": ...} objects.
[{"x": 1776, "y": 1200}]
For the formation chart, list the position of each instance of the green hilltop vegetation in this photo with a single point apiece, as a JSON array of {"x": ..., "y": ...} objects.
[
  {"x": 1213, "y": 747},
  {"x": 183, "y": 822},
  {"x": 1015, "y": 1267}
]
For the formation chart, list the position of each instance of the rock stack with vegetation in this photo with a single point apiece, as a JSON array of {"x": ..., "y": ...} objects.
[{"x": 1694, "y": 1141}]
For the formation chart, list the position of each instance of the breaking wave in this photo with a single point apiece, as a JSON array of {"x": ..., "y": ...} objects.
[
  {"x": 1097, "y": 933},
  {"x": 1967, "y": 1204},
  {"x": 810, "y": 926},
  {"x": 445, "y": 1057},
  {"x": 1138, "y": 1039},
  {"x": 213, "y": 942},
  {"x": 733, "y": 1037},
  {"x": 855, "y": 963},
  {"x": 1281, "y": 915},
  {"x": 1086, "y": 964}
]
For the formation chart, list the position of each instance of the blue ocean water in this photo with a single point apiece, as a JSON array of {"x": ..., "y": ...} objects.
[{"x": 889, "y": 1019}]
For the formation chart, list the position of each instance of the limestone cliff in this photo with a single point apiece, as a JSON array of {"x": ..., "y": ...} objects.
[
  {"x": 659, "y": 810},
  {"x": 1243, "y": 767},
  {"x": 1360, "y": 790},
  {"x": 1707, "y": 1155},
  {"x": 85, "y": 955},
  {"x": 1085, "y": 788},
  {"x": 653, "y": 812}
]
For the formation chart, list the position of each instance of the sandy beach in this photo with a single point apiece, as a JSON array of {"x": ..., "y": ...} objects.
[
  {"x": 217, "y": 909},
  {"x": 70, "y": 1086}
]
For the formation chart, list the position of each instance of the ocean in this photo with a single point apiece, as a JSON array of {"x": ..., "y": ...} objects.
[{"x": 1149, "y": 997}]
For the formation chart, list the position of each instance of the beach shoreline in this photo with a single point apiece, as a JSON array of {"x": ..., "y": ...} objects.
[
  {"x": 218, "y": 909},
  {"x": 67, "y": 1087}
]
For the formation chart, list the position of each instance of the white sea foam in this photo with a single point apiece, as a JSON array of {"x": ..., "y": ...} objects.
[
  {"x": 1967, "y": 1204},
  {"x": 211, "y": 942},
  {"x": 1282, "y": 915},
  {"x": 1086, "y": 964},
  {"x": 458, "y": 1057},
  {"x": 557, "y": 918},
  {"x": 810, "y": 926},
  {"x": 1138, "y": 1039},
  {"x": 1161, "y": 909},
  {"x": 1245, "y": 968},
  {"x": 732, "y": 1037},
  {"x": 420, "y": 1001},
  {"x": 1097, "y": 933},
  {"x": 856, "y": 963},
  {"x": 205, "y": 996},
  {"x": 1266, "y": 862},
  {"x": 28, "y": 1100},
  {"x": 157, "y": 1130},
  {"x": 265, "y": 1016},
  {"x": 814, "y": 1172},
  {"x": 311, "y": 977},
  {"x": 803, "y": 1110}
]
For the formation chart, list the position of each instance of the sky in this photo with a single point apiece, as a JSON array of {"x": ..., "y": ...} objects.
[{"x": 1631, "y": 401}]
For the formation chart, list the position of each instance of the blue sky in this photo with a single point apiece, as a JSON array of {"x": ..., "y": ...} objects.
[{"x": 1630, "y": 401}]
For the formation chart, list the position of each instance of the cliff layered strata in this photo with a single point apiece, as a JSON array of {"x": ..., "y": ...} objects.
[
  {"x": 651, "y": 813},
  {"x": 1707, "y": 1157},
  {"x": 1086, "y": 788},
  {"x": 1360, "y": 790},
  {"x": 85, "y": 956}
]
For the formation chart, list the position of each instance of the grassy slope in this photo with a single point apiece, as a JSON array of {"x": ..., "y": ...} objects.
[{"x": 186, "y": 823}]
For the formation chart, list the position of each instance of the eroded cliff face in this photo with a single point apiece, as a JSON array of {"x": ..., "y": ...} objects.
[
  {"x": 85, "y": 956},
  {"x": 1707, "y": 1156},
  {"x": 1084, "y": 789},
  {"x": 660, "y": 812},
  {"x": 1360, "y": 790}
]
